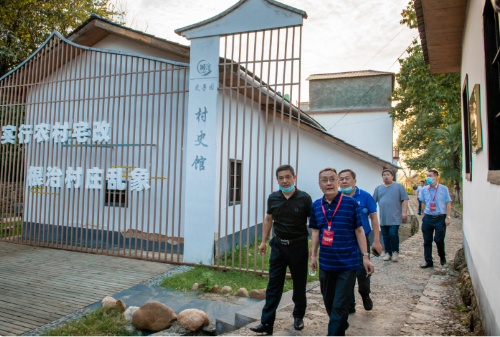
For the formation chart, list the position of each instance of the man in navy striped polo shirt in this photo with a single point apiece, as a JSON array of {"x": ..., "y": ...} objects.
[{"x": 337, "y": 228}]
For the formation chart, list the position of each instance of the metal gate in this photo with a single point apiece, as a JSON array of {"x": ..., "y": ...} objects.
[
  {"x": 92, "y": 152},
  {"x": 260, "y": 121}
]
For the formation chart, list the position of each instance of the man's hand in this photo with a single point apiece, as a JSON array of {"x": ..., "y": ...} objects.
[
  {"x": 447, "y": 222},
  {"x": 369, "y": 267},
  {"x": 405, "y": 216},
  {"x": 314, "y": 263},
  {"x": 377, "y": 247},
  {"x": 263, "y": 248}
]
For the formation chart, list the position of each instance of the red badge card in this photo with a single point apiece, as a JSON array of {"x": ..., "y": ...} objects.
[
  {"x": 433, "y": 206},
  {"x": 327, "y": 238}
]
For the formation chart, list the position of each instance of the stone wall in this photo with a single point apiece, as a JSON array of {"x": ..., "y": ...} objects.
[{"x": 473, "y": 321}]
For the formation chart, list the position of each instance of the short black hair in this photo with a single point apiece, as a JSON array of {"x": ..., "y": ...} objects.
[
  {"x": 422, "y": 181},
  {"x": 435, "y": 172},
  {"x": 353, "y": 174},
  {"x": 387, "y": 170},
  {"x": 285, "y": 168}
]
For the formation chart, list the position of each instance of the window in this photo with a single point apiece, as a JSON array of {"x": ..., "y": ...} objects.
[
  {"x": 465, "y": 119},
  {"x": 117, "y": 198},
  {"x": 491, "y": 32},
  {"x": 234, "y": 182}
]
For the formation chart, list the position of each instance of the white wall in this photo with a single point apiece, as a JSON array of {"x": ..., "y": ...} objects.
[
  {"x": 481, "y": 198},
  {"x": 369, "y": 131},
  {"x": 315, "y": 153},
  {"x": 142, "y": 119}
]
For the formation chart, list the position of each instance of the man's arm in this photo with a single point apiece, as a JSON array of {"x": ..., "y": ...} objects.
[
  {"x": 314, "y": 249},
  {"x": 405, "y": 209},
  {"x": 266, "y": 230},
  {"x": 423, "y": 206},
  {"x": 376, "y": 246},
  {"x": 448, "y": 213},
  {"x": 360, "y": 235}
]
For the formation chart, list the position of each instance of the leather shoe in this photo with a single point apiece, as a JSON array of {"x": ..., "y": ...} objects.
[
  {"x": 427, "y": 265},
  {"x": 298, "y": 324},
  {"x": 352, "y": 310},
  {"x": 443, "y": 260},
  {"x": 367, "y": 302},
  {"x": 263, "y": 328}
]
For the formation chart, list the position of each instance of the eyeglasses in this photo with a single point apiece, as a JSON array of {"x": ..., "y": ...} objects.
[{"x": 326, "y": 181}]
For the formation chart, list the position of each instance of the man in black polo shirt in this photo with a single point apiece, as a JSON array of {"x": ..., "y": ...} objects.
[{"x": 287, "y": 211}]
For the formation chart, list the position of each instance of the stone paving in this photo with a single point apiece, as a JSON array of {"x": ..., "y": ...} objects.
[{"x": 408, "y": 300}]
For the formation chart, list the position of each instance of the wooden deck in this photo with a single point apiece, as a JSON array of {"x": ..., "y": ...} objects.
[{"x": 39, "y": 285}]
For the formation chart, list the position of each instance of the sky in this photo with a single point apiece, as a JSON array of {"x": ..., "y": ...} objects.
[{"x": 338, "y": 35}]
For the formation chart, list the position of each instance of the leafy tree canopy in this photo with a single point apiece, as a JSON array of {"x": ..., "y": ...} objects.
[
  {"x": 26, "y": 24},
  {"x": 429, "y": 107}
]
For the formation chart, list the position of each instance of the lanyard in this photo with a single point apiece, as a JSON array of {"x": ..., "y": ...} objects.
[
  {"x": 336, "y": 208},
  {"x": 437, "y": 188}
]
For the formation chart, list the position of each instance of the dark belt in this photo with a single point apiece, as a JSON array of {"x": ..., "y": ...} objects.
[
  {"x": 436, "y": 216},
  {"x": 288, "y": 242}
]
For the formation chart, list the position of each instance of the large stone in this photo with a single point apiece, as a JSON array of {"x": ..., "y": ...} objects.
[
  {"x": 258, "y": 294},
  {"x": 215, "y": 289},
  {"x": 129, "y": 313},
  {"x": 120, "y": 305},
  {"x": 108, "y": 302},
  {"x": 242, "y": 292},
  {"x": 194, "y": 319},
  {"x": 459, "y": 260},
  {"x": 154, "y": 316},
  {"x": 226, "y": 290},
  {"x": 194, "y": 287}
]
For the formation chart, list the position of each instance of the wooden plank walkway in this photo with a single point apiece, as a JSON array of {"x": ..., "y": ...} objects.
[{"x": 39, "y": 285}]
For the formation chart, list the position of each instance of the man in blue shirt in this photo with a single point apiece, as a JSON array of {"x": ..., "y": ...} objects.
[
  {"x": 337, "y": 228},
  {"x": 436, "y": 202},
  {"x": 368, "y": 208},
  {"x": 419, "y": 190}
]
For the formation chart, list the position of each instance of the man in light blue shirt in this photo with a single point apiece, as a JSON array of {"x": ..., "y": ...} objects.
[{"x": 436, "y": 202}]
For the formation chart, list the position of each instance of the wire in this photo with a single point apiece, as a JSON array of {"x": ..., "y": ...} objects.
[
  {"x": 381, "y": 49},
  {"x": 371, "y": 120},
  {"x": 373, "y": 86}
]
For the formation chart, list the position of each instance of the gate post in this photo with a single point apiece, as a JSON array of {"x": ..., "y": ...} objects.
[
  {"x": 200, "y": 151},
  {"x": 199, "y": 199}
]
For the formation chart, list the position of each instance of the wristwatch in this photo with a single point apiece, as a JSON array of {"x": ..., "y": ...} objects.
[
  {"x": 366, "y": 254},
  {"x": 449, "y": 217}
]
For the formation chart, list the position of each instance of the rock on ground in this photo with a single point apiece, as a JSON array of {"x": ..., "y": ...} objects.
[
  {"x": 242, "y": 292},
  {"x": 154, "y": 316},
  {"x": 258, "y": 294},
  {"x": 226, "y": 290},
  {"x": 195, "y": 286},
  {"x": 194, "y": 319},
  {"x": 215, "y": 289},
  {"x": 129, "y": 313},
  {"x": 120, "y": 305},
  {"x": 108, "y": 302}
]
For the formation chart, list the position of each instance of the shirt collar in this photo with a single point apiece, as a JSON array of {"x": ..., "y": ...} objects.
[
  {"x": 358, "y": 191},
  {"x": 335, "y": 200}
]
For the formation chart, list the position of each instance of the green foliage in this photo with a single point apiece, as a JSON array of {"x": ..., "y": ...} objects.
[
  {"x": 429, "y": 107},
  {"x": 100, "y": 322},
  {"x": 25, "y": 24},
  {"x": 409, "y": 190}
]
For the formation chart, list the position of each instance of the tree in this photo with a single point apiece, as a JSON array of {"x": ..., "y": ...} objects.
[
  {"x": 429, "y": 109},
  {"x": 26, "y": 24}
]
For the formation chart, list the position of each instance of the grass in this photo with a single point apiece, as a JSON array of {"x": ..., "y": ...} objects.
[
  {"x": 458, "y": 207},
  {"x": 100, "y": 322},
  {"x": 461, "y": 307},
  {"x": 17, "y": 229},
  {"x": 234, "y": 278}
]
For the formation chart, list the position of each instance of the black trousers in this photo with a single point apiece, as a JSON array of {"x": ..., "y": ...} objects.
[
  {"x": 296, "y": 257},
  {"x": 336, "y": 288},
  {"x": 363, "y": 279},
  {"x": 419, "y": 207},
  {"x": 437, "y": 227}
]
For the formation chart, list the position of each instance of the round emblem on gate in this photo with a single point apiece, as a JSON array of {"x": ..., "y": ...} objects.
[{"x": 203, "y": 68}]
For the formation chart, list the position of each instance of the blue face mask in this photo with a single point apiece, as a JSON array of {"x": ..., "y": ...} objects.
[
  {"x": 347, "y": 190},
  {"x": 429, "y": 180},
  {"x": 287, "y": 190}
]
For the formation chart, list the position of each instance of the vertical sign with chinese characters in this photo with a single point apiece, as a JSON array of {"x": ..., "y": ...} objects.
[{"x": 199, "y": 197}]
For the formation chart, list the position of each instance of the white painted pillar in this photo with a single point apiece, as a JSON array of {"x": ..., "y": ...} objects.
[{"x": 200, "y": 151}]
